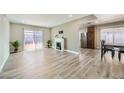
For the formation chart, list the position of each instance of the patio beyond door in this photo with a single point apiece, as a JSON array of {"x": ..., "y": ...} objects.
[{"x": 33, "y": 40}]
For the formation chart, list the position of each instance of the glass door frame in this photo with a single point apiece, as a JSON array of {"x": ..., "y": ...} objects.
[{"x": 33, "y": 39}]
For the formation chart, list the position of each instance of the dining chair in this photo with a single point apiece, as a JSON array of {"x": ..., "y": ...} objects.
[
  {"x": 121, "y": 50},
  {"x": 102, "y": 48},
  {"x": 110, "y": 48},
  {"x": 107, "y": 48}
]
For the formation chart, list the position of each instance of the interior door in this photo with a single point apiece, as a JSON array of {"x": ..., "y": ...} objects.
[{"x": 91, "y": 37}]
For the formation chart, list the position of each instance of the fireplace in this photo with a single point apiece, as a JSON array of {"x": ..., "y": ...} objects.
[{"x": 58, "y": 45}]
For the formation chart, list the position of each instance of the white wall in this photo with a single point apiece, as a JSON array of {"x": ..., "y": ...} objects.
[
  {"x": 4, "y": 40},
  {"x": 17, "y": 33},
  {"x": 71, "y": 32}
]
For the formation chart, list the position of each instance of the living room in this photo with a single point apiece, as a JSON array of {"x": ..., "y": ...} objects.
[
  {"x": 49, "y": 41},
  {"x": 61, "y": 46}
]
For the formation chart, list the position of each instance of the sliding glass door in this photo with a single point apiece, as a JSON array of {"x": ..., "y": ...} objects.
[{"x": 33, "y": 40}]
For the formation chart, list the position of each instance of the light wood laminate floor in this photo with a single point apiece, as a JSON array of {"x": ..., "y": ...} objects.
[{"x": 51, "y": 64}]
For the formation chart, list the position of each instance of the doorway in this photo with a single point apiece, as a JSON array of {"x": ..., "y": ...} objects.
[{"x": 33, "y": 40}]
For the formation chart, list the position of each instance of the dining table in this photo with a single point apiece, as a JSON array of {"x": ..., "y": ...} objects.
[{"x": 116, "y": 46}]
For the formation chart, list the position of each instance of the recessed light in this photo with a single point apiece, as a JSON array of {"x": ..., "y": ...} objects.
[{"x": 70, "y": 15}]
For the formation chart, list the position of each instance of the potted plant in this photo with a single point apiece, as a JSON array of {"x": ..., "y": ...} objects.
[
  {"x": 49, "y": 43},
  {"x": 16, "y": 45}
]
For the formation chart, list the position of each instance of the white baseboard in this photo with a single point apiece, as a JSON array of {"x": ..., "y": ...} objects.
[
  {"x": 2, "y": 65},
  {"x": 72, "y": 51}
]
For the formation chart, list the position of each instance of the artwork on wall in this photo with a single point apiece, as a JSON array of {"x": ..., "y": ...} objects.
[{"x": 61, "y": 32}]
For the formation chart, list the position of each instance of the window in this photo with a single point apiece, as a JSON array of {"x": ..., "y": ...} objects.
[
  {"x": 32, "y": 40},
  {"x": 113, "y": 35}
]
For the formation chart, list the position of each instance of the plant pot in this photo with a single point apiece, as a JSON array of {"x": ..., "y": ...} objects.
[
  {"x": 15, "y": 50},
  {"x": 49, "y": 46}
]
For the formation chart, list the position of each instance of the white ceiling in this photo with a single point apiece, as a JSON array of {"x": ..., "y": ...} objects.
[
  {"x": 45, "y": 20},
  {"x": 51, "y": 20},
  {"x": 108, "y": 18}
]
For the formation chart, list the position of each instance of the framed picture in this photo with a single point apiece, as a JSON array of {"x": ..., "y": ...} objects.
[{"x": 61, "y": 32}]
